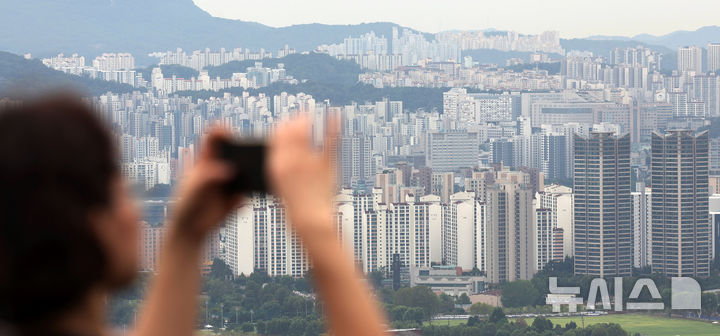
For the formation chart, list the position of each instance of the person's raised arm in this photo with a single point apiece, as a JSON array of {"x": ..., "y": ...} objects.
[
  {"x": 302, "y": 177},
  {"x": 171, "y": 306}
]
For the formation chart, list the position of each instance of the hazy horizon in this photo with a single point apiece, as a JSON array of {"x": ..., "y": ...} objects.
[{"x": 611, "y": 17}]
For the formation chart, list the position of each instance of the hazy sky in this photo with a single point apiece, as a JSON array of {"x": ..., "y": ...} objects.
[{"x": 573, "y": 18}]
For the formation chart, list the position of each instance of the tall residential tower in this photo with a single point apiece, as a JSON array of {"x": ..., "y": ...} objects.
[
  {"x": 680, "y": 218},
  {"x": 603, "y": 205}
]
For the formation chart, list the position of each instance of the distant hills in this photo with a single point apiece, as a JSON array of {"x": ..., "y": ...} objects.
[
  {"x": 492, "y": 56},
  {"x": 700, "y": 37},
  {"x": 168, "y": 71},
  {"x": 602, "y": 47},
  {"x": 19, "y": 77},
  {"x": 314, "y": 67},
  {"x": 666, "y": 44},
  {"x": 91, "y": 27}
]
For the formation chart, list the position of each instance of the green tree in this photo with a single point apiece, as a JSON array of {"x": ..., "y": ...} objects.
[
  {"x": 261, "y": 327},
  {"x": 709, "y": 303},
  {"x": 541, "y": 324},
  {"x": 447, "y": 305},
  {"x": 269, "y": 309},
  {"x": 413, "y": 314},
  {"x": 278, "y": 326},
  {"x": 519, "y": 293},
  {"x": 247, "y": 327},
  {"x": 397, "y": 313},
  {"x": 297, "y": 327},
  {"x": 497, "y": 316},
  {"x": 480, "y": 309},
  {"x": 486, "y": 330},
  {"x": 605, "y": 329},
  {"x": 376, "y": 278},
  {"x": 294, "y": 305},
  {"x": 418, "y": 296},
  {"x": 314, "y": 327},
  {"x": 463, "y": 299}
]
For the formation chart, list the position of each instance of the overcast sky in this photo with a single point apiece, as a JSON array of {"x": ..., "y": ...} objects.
[{"x": 573, "y": 18}]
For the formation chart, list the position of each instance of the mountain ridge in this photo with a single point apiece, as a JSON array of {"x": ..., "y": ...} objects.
[
  {"x": 21, "y": 77},
  {"x": 700, "y": 37},
  {"x": 87, "y": 27},
  {"x": 672, "y": 40},
  {"x": 91, "y": 27}
]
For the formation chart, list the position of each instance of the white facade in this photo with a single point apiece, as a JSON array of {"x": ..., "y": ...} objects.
[
  {"x": 642, "y": 226},
  {"x": 559, "y": 200},
  {"x": 713, "y": 57},
  {"x": 464, "y": 232},
  {"x": 544, "y": 237},
  {"x": 239, "y": 242},
  {"x": 451, "y": 151},
  {"x": 690, "y": 59},
  {"x": 435, "y": 218},
  {"x": 148, "y": 172}
]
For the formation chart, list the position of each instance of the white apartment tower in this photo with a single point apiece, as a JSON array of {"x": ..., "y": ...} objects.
[
  {"x": 239, "y": 242},
  {"x": 642, "y": 226},
  {"x": 463, "y": 232},
  {"x": 544, "y": 231},
  {"x": 713, "y": 57},
  {"x": 559, "y": 199},
  {"x": 690, "y": 59}
]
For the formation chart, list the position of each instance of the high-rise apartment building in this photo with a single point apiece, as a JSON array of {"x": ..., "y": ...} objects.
[
  {"x": 559, "y": 200},
  {"x": 690, "y": 59},
  {"x": 680, "y": 219},
  {"x": 544, "y": 237},
  {"x": 451, "y": 151},
  {"x": 355, "y": 159},
  {"x": 602, "y": 205},
  {"x": 464, "y": 232},
  {"x": 714, "y": 210},
  {"x": 443, "y": 185},
  {"x": 152, "y": 238},
  {"x": 642, "y": 226},
  {"x": 706, "y": 90},
  {"x": 503, "y": 151},
  {"x": 713, "y": 57},
  {"x": 239, "y": 242},
  {"x": 510, "y": 237},
  {"x": 552, "y": 156}
]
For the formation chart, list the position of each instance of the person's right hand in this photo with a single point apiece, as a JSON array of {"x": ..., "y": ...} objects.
[
  {"x": 301, "y": 175},
  {"x": 303, "y": 178}
]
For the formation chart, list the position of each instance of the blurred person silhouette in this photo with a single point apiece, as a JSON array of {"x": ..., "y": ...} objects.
[{"x": 69, "y": 229}]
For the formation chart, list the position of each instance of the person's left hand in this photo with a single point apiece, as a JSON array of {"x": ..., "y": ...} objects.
[{"x": 203, "y": 202}]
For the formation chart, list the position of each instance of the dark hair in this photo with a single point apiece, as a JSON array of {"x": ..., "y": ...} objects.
[{"x": 57, "y": 161}]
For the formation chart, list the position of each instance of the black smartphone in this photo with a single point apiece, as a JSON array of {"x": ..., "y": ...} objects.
[{"x": 248, "y": 158}]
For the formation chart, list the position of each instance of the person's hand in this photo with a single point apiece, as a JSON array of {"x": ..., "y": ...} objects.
[
  {"x": 301, "y": 175},
  {"x": 203, "y": 202}
]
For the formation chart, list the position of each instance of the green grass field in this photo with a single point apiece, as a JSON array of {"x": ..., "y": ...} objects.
[
  {"x": 648, "y": 325},
  {"x": 635, "y": 323}
]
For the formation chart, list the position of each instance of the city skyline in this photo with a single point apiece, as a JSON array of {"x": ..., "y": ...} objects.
[
  {"x": 659, "y": 18},
  {"x": 481, "y": 158}
]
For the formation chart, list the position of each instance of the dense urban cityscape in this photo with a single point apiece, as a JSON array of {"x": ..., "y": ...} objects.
[
  {"x": 430, "y": 186},
  {"x": 550, "y": 158}
]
